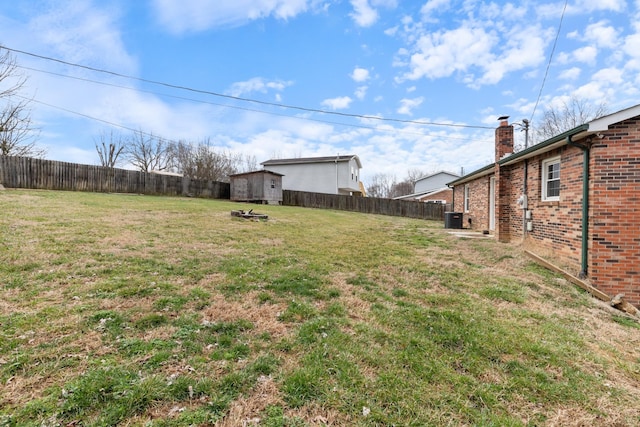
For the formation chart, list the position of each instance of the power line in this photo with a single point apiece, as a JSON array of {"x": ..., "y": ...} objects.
[
  {"x": 237, "y": 98},
  {"x": 377, "y": 129},
  {"x": 137, "y": 131},
  {"x": 94, "y": 118},
  {"x": 553, "y": 49}
]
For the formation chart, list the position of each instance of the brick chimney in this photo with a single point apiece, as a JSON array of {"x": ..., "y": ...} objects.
[
  {"x": 504, "y": 147},
  {"x": 504, "y": 138}
]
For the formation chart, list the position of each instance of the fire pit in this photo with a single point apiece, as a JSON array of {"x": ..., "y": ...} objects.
[{"x": 249, "y": 215}]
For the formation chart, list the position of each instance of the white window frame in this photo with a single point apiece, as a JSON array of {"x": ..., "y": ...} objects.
[
  {"x": 466, "y": 198},
  {"x": 545, "y": 178}
]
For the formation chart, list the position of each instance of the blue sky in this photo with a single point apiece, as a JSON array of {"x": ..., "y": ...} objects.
[{"x": 438, "y": 72}]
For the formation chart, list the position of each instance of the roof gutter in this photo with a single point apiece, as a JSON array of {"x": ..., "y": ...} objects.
[{"x": 547, "y": 145}]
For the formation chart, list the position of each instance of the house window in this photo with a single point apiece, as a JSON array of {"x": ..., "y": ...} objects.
[
  {"x": 466, "y": 198},
  {"x": 551, "y": 179},
  {"x": 273, "y": 183}
]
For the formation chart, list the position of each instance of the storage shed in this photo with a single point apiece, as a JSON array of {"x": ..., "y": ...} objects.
[{"x": 261, "y": 186}]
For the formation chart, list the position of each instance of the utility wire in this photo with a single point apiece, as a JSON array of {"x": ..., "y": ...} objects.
[
  {"x": 553, "y": 49},
  {"x": 377, "y": 129},
  {"x": 237, "y": 98},
  {"x": 139, "y": 131}
]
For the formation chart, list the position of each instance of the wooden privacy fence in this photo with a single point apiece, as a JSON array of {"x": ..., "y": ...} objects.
[
  {"x": 26, "y": 172},
  {"x": 372, "y": 205}
]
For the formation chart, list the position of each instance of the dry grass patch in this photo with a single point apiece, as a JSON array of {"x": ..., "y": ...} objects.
[
  {"x": 263, "y": 317},
  {"x": 168, "y": 312}
]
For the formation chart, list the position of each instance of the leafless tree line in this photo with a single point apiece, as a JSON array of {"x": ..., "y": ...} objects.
[
  {"x": 148, "y": 152},
  {"x": 566, "y": 116},
  {"x": 387, "y": 186}
]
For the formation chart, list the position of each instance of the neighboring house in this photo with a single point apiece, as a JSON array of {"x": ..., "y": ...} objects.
[
  {"x": 257, "y": 187},
  {"x": 433, "y": 182},
  {"x": 331, "y": 175},
  {"x": 441, "y": 195},
  {"x": 432, "y": 189},
  {"x": 574, "y": 198}
]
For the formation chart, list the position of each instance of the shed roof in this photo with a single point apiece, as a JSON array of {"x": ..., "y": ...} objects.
[{"x": 257, "y": 172}]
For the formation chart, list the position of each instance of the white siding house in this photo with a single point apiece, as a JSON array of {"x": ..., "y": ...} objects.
[
  {"x": 330, "y": 175},
  {"x": 434, "y": 182},
  {"x": 432, "y": 188}
]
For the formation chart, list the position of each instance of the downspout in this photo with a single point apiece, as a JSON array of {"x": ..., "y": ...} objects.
[
  {"x": 453, "y": 197},
  {"x": 337, "y": 184},
  {"x": 585, "y": 204},
  {"x": 524, "y": 193}
]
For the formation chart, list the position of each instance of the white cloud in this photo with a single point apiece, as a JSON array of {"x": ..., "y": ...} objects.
[
  {"x": 360, "y": 74},
  {"x": 586, "y": 54},
  {"x": 595, "y": 5},
  {"x": 181, "y": 16},
  {"x": 391, "y": 31},
  {"x": 442, "y": 53},
  {"x": 363, "y": 14},
  {"x": 602, "y": 34},
  {"x": 632, "y": 46},
  {"x": 83, "y": 33},
  {"x": 570, "y": 74},
  {"x": 337, "y": 103},
  {"x": 361, "y": 92},
  {"x": 408, "y": 105},
  {"x": 592, "y": 90},
  {"x": 609, "y": 76},
  {"x": 524, "y": 49},
  {"x": 433, "y": 5},
  {"x": 257, "y": 84}
]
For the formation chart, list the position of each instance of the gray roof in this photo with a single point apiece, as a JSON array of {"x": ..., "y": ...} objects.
[
  {"x": 306, "y": 160},
  {"x": 256, "y": 172},
  {"x": 452, "y": 174}
]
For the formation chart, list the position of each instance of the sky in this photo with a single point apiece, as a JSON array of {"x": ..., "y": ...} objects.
[{"x": 404, "y": 85}]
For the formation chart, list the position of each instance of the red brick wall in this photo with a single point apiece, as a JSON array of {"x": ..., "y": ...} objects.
[
  {"x": 615, "y": 212},
  {"x": 557, "y": 225},
  {"x": 614, "y": 208},
  {"x": 446, "y": 195},
  {"x": 478, "y": 203}
]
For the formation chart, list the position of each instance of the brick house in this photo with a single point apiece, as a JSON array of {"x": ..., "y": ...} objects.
[{"x": 573, "y": 197}]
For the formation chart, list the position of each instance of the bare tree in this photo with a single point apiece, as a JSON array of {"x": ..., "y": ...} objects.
[
  {"x": 17, "y": 133},
  {"x": 570, "y": 114},
  {"x": 147, "y": 152},
  {"x": 401, "y": 188},
  {"x": 250, "y": 163},
  {"x": 415, "y": 174},
  {"x": 109, "y": 148},
  {"x": 204, "y": 161},
  {"x": 381, "y": 185}
]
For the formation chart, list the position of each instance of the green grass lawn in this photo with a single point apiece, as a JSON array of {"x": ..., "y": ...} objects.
[{"x": 147, "y": 311}]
